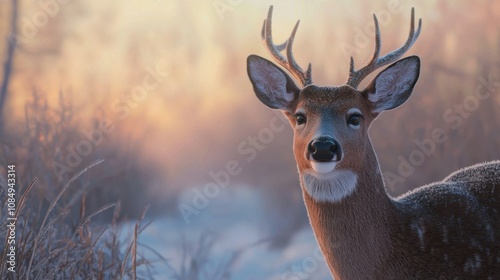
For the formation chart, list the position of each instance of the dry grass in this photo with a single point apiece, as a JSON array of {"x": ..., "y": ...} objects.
[
  {"x": 53, "y": 249},
  {"x": 197, "y": 263},
  {"x": 64, "y": 230}
]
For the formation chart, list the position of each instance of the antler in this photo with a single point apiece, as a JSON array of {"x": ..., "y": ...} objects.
[
  {"x": 356, "y": 76},
  {"x": 289, "y": 62}
]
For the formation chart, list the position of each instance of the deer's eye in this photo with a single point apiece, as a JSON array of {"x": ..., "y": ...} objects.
[
  {"x": 300, "y": 118},
  {"x": 354, "y": 120}
]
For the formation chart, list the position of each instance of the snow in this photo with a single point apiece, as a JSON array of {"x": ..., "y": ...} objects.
[{"x": 232, "y": 225}]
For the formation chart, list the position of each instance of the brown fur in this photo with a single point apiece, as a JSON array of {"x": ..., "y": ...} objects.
[
  {"x": 447, "y": 230},
  {"x": 370, "y": 235}
]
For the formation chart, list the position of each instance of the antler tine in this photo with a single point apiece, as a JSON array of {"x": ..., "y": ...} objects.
[
  {"x": 356, "y": 76},
  {"x": 267, "y": 36},
  {"x": 304, "y": 77},
  {"x": 289, "y": 62},
  {"x": 279, "y": 47}
]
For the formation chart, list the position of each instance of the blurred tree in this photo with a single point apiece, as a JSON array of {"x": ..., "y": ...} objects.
[{"x": 11, "y": 47}]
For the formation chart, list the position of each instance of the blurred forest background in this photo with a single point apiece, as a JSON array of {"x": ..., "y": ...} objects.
[{"x": 159, "y": 90}]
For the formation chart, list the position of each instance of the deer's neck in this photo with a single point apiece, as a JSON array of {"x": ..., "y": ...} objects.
[{"x": 355, "y": 233}]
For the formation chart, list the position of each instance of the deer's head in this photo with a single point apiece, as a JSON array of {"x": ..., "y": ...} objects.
[{"x": 331, "y": 123}]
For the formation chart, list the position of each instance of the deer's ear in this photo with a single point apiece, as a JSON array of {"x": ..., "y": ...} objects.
[
  {"x": 393, "y": 86},
  {"x": 272, "y": 85}
]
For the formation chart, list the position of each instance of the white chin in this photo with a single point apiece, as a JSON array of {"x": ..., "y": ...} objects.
[{"x": 323, "y": 167}]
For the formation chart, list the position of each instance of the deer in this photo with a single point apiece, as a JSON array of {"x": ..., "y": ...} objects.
[{"x": 449, "y": 229}]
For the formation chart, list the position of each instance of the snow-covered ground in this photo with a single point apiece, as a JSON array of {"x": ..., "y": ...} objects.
[{"x": 228, "y": 234}]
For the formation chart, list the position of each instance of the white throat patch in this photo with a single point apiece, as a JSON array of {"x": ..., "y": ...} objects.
[{"x": 332, "y": 187}]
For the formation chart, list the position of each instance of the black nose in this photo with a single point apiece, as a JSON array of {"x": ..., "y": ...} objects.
[{"x": 324, "y": 149}]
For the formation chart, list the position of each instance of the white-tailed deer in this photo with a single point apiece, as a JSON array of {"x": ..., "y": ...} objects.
[{"x": 446, "y": 230}]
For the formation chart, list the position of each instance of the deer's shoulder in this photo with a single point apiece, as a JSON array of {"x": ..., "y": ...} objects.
[
  {"x": 468, "y": 186},
  {"x": 464, "y": 204},
  {"x": 481, "y": 172}
]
